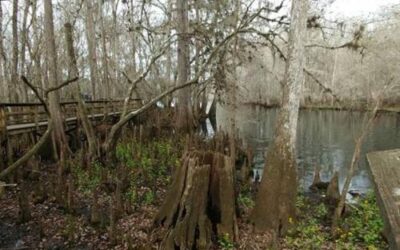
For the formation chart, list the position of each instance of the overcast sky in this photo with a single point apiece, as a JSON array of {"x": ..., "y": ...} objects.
[{"x": 350, "y": 8}]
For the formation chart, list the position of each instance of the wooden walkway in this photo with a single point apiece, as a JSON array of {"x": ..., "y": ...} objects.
[
  {"x": 23, "y": 118},
  {"x": 385, "y": 170}
]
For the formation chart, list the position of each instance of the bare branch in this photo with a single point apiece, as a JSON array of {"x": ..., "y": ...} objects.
[
  {"x": 35, "y": 90},
  {"x": 326, "y": 89},
  {"x": 62, "y": 85},
  {"x": 21, "y": 161},
  {"x": 143, "y": 75},
  {"x": 283, "y": 56},
  {"x": 112, "y": 138}
]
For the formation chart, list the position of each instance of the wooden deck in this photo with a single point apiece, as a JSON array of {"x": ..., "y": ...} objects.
[{"x": 385, "y": 171}]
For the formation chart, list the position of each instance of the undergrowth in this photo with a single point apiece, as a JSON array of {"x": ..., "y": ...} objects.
[
  {"x": 360, "y": 228},
  {"x": 146, "y": 165}
]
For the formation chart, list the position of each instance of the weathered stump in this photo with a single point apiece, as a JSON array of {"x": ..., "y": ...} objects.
[{"x": 201, "y": 202}]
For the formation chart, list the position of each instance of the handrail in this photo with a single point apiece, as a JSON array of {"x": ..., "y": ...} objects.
[
  {"x": 27, "y": 113},
  {"x": 27, "y": 104}
]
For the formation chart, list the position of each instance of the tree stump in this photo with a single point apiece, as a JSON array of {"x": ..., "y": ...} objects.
[
  {"x": 201, "y": 202},
  {"x": 24, "y": 213},
  {"x": 332, "y": 193}
]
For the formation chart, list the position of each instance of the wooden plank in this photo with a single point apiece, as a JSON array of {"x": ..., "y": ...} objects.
[{"x": 385, "y": 170}]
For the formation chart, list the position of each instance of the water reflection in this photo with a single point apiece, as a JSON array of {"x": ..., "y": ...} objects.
[{"x": 325, "y": 138}]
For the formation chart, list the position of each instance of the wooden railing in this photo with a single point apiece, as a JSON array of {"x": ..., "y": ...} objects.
[{"x": 15, "y": 114}]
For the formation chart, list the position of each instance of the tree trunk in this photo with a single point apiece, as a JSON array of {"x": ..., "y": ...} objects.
[
  {"x": 24, "y": 41},
  {"x": 82, "y": 110},
  {"x": 200, "y": 203},
  {"x": 91, "y": 42},
  {"x": 14, "y": 67},
  {"x": 275, "y": 202},
  {"x": 3, "y": 61},
  {"x": 106, "y": 73},
  {"x": 133, "y": 36},
  {"x": 54, "y": 99},
  {"x": 169, "y": 55},
  {"x": 36, "y": 55},
  {"x": 184, "y": 109}
]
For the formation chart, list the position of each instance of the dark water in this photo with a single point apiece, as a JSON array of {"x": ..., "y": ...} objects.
[{"x": 325, "y": 138}]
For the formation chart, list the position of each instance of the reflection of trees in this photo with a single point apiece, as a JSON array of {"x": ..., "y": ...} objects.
[{"x": 325, "y": 138}]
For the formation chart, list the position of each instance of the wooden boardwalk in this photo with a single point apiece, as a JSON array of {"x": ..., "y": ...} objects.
[
  {"x": 23, "y": 118},
  {"x": 385, "y": 170}
]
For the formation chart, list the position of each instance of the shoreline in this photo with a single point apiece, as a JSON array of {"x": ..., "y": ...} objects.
[{"x": 385, "y": 109}]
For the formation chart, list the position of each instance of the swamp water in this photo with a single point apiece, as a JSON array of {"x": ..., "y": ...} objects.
[{"x": 325, "y": 138}]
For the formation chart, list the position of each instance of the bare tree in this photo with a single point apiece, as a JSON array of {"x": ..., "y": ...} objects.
[
  {"x": 82, "y": 110},
  {"x": 184, "y": 99},
  {"x": 14, "y": 67},
  {"x": 54, "y": 98},
  {"x": 24, "y": 42},
  {"x": 91, "y": 42},
  {"x": 106, "y": 74},
  {"x": 275, "y": 203},
  {"x": 3, "y": 60}
]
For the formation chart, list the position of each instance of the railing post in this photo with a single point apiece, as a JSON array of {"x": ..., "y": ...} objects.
[{"x": 3, "y": 137}]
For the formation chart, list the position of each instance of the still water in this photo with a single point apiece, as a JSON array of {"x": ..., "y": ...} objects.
[{"x": 325, "y": 138}]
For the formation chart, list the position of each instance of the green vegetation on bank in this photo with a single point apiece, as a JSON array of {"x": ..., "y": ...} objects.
[{"x": 360, "y": 228}]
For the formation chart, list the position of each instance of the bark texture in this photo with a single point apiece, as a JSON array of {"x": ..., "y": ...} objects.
[
  {"x": 14, "y": 64},
  {"x": 200, "y": 203},
  {"x": 82, "y": 110},
  {"x": 91, "y": 42},
  {"x": 54, "y": 98},
  {"x": 275, "y": 202},
  {"x": 3, "y": 60},
  {"x": 184, "y": 120}
]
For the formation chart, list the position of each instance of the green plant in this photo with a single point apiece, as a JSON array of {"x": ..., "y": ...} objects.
[
  {"x": 245, "y": 201},
  {"x": 364, "y": 225},
  {"x": 149, "y": 164},
  {"x": 307, "y": 234},
  {"x": 149, "y": 197},
  {"x": 225, "y": 242},
  {"x": 360, "y": 229},
  {"x": 321, "y": 211},
  {"x": 87, "y": 181}
]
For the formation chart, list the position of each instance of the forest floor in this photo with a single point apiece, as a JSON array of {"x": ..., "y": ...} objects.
[{"x": 125, "y": 220}]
